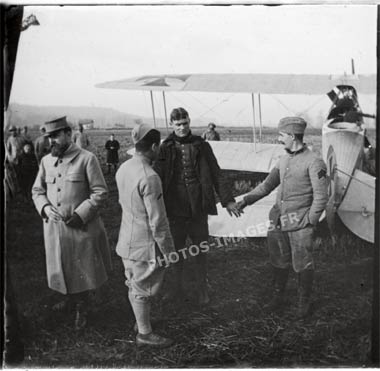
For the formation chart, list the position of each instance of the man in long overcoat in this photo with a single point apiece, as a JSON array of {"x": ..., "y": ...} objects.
[
  {"x": 190, "y": 177},
  {"x": 68, "y": 191}
]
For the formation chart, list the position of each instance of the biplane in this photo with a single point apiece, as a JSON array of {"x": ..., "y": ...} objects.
[{"x": 343, "y": 148}]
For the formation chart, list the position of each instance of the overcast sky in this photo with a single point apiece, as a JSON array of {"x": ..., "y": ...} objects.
[{"x": 74, "y": 48}]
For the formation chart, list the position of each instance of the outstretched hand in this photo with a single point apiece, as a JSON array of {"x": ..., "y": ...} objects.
[
  {"x": 241, "y": 205},
  {"x": 232, "y": 209}
]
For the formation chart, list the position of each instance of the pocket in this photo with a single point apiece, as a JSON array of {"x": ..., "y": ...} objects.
[
  {"x": 50, "y": 179},
  {"x": 75, "y": 177}
]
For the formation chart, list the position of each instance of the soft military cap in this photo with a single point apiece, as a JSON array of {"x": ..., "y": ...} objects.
[
  {"x": 139, "y": 131},
  {"x": 292, "y": 125},
  {"x": 55, "y": 125},
  {"x": 12, "y": 128}
]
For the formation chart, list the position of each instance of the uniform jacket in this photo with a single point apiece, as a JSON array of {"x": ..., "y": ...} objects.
[
  {"x": 302, "y": 193},
  {"x": 14, "y": 148},
  {"x": 41, "y": 147},
  {"x": 144, "y": 224},
  {"x": 211, "y": 135},
  {"x": 81, "y": 139},
  {"x": 207, "y": 169},
  {"x": 76, "y": 259}
]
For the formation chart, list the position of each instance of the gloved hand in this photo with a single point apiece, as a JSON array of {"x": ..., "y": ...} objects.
[{"x": 75, "y": 221}]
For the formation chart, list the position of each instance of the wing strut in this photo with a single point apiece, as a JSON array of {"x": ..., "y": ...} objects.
[
  {"x": 254, "y": 122},
  {"x": 261, "y": 123},
  {"x": 154, "y": 116},
  {"x": 166, "y": 115}
]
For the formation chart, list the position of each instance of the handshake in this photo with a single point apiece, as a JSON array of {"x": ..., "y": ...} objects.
[{"x": 236, "y": 208}]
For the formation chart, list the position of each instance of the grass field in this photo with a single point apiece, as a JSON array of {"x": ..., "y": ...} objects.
[{"x": 233, "y": 331}]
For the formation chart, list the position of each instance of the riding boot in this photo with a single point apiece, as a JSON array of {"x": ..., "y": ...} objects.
[
  {"x": 280, "y": 279},
  {"x": 305, "y": 285},
  {"x": 201, "y": 279}
]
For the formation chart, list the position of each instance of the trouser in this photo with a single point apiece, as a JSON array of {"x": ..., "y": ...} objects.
[
  {"x": 197, "y": 230},
  {"x": 144, "y": 279},
  {"x": 292, "y": 248},
  {"x": 114, "y": 167}
]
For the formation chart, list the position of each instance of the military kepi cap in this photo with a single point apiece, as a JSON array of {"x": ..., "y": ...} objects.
[
  {"x": 55, "y": 125},
  {"x": 139, "y": 131},
  {"x": 292, "y": 125}
]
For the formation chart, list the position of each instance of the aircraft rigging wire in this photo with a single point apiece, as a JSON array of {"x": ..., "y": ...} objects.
[
  {"x": 204, "y": 104},
  {"x": 180, "y": 100},
  {"x": 239, "y": 113},
  {"x": 216, "y": 105},
  {"x": 282, "y": 104},
  {"x": 147, "y": 102},
  {"x": 352, "y": 177},
  {"x": 313, "y": 105}
]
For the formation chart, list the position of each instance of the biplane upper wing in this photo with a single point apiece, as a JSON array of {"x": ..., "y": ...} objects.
[{"x": 245, "y": 83}]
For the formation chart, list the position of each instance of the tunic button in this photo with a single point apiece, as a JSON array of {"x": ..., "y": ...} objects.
[
  {"x": 59, "y": 175},
  {"x": 59, "y": 190},
  {"x": 60, "y": 161},
  {"x": 58, "y": 204}
]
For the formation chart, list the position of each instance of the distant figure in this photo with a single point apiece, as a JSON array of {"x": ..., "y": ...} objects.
[
  {"x": 28, "y": 165},
  {"x": 80, "y": 138},
  {"x": 14, "y": 146},
  {"x": 25, "y": 137},
  {"x": 211, "y": 133},
  {"x": 41, "y": 145},
  {"x": 112, "y": 147}
]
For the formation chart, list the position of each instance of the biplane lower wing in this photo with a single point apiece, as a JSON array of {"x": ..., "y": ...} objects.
[
  {"x": 253, "y": 223},
  {"x": 242, "y": 156},
  {"x": 357, "y": 210}
]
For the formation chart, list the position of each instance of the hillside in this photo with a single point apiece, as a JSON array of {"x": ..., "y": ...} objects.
[
  {"x": 32, "y": 116},
  {"x": 26, "y": 115}
]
